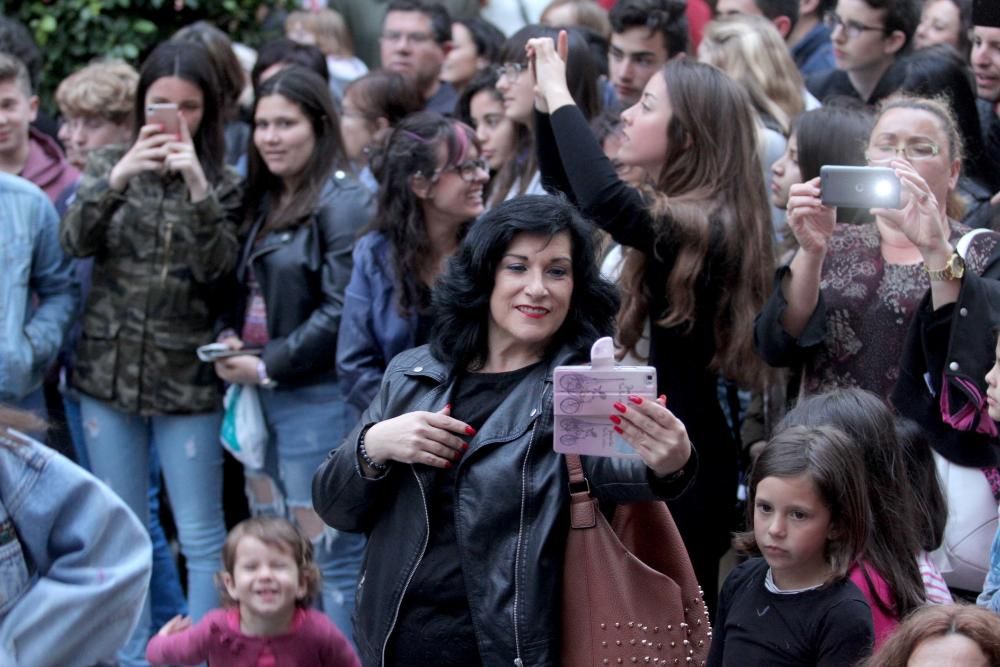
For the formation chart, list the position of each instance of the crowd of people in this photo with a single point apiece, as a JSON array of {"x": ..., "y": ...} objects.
[{"x": 390, "y": 226}]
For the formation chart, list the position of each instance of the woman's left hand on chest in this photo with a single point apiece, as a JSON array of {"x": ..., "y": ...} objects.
[
  {"x": 660, "y": 438},
  {"x": 182, "y": 158}
]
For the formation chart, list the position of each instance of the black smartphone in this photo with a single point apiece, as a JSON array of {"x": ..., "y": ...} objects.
[{"x": 859, "y": 187}]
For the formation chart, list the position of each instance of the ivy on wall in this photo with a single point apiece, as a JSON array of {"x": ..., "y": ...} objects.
[{"x": 71, "y": 33}]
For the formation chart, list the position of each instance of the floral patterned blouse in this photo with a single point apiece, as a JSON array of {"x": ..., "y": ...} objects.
[{"x": 856, "y": 334}]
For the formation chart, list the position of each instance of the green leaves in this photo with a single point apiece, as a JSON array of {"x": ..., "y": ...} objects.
[{"x": 71, "y": 33}]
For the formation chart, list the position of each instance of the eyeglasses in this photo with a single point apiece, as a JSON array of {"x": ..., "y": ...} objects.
[
  {"x": 921, "y": 150},
  {"x": 510, "y": 70},
  {"x": 469, "y": 170},
  {"x": 394, "y": 36},
  {"x": 852, "y": 29}
]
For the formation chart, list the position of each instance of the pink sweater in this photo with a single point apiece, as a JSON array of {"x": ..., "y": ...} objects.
[
  {"x": 884, "y": 623},
  {"x": 313, "y": 641}
]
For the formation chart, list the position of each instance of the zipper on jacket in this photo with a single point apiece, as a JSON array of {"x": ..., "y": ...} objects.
[
  {"x": 413, "y": 570},
  {"x": 518, "y": 662}
]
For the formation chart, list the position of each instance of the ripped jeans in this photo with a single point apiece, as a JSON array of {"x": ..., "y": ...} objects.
[
  {"x": 305, "y": 424},
  {"x": 118, "y": 445}
]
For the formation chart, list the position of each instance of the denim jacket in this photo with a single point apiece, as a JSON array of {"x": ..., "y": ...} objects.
[
  {"x": 990, "y": 597},
  {"x": 74, "y": 561},
  {"x": 38, "y": 291},
  {"x": 372, "y": 331}
]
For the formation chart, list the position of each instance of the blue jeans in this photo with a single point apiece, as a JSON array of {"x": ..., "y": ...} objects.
[
  {"x": 305, "y": 423},
  {"x": 166, "y": 594},
  {"x": 119, "y": 444}
]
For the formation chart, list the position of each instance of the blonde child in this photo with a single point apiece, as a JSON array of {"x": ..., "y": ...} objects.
[
  {"x": 326, "y": 29},
  {"x": 267, "y": 582},
  {"x": 808, "y": 514}
]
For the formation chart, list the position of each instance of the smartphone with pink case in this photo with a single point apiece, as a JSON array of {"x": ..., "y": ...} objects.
[{"x": 584, "y": 398}]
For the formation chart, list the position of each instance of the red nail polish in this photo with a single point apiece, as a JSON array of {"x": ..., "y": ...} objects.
[
  {"x": 470, "y": 430},
  {"x": 448, "y": 407},
  {"x": 616, "y": 419},
  {"x": 618, "y": 430},
  {"x": 664, "y": 397},
  {"x": 636, "y": 399},
  {"x": 465, "y": 446},
  {"x": 620, "y": 407},
  {"x": 447, "y": 465}
]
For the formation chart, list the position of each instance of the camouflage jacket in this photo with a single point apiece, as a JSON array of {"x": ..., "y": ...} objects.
[{"x": 156, "y": 257}]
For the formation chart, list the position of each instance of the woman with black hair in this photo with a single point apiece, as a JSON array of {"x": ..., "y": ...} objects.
[
  {"x": 303, "y": 212},
  {"x": 431, "y": 180},
  {"x": 451, "y": 471},
  {"x": 475, "y": 46}
]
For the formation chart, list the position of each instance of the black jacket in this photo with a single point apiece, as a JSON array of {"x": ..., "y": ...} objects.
[
  {"x": 303, "y": 272},
  {"x": 511, "y": 517},
  {"x": 950, "y": 350}
]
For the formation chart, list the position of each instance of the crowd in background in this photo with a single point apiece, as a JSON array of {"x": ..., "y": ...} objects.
[{"x": 395, "y": 222}]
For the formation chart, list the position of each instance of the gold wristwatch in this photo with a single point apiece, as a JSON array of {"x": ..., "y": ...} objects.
[{"x": 953, "y": 269}]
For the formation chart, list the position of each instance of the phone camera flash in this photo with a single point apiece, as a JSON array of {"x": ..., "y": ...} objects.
[{"x": 883, "y": 188}]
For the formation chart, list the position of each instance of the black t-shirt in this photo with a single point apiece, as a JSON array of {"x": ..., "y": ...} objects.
[
  {"x": 829, "y": 626},
  {"x": 434, "y": 625}
]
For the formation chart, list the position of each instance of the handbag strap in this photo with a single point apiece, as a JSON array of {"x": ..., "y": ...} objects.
[{"x": 582, "y": 507}]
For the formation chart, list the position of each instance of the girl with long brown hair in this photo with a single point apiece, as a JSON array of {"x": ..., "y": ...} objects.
[{"x": 699, "y": 253}]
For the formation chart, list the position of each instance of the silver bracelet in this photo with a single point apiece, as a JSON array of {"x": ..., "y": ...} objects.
[{"x": 377, "y": 467}]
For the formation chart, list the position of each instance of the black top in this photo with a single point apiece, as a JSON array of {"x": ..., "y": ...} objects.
[
  {"x": 571, "y": 161},
  {"x": 835, "y": 83},
  {"x": 435, "y": 626},
  {"x": 830, "y": 626}
]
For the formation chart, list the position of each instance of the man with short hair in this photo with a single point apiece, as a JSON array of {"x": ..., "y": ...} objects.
[
  {"x": 782, "y": 13},
  {"x": 645, "y": 34},
  {"x": 38, "y": 292},
  {"x": 416, "y": 37},
  {"x": 809, "y": 40},
  {"x": 868, "y": 38},
  {"x": 985, "y": 59},
  {"x": 25, "y": 151}
]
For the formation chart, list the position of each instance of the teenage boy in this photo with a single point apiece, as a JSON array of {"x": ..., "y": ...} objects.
[
  {"x": 416, "y": 36},
  {"x": 868, "y": 38},
  {"x": 645, "y": 34},
  {"x": 985, "y": 59},
  {"x": 24, "y": 151}
]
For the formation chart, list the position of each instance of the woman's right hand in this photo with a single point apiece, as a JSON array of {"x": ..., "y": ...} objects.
[
  {"x": 148, "y": 153},
  {"x": 811, "y": 222},
  {"x": 431, "y": 438},
  {"x": 547, "y": 61}
]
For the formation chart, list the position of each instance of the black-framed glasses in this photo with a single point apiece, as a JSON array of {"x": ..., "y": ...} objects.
[
  {"x": 852, "y": 29},
  {"x": 886, "y": 152},
  {"x": 510, "y": 70},
  {"x": 469, "y": 170}
]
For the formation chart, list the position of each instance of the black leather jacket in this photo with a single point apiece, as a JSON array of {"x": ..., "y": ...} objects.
[
  {"x": 511, "y": 518},
  {"x": 303, "y": 272}
]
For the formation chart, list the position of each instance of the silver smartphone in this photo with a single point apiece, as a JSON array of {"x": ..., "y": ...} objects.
[{"x": 859, "y": 187}]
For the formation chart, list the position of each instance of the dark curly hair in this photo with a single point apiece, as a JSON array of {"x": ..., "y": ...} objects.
[
  {"x": 461, "y": 301},
  {"x": 666, "y": 17},
  {"x": 411, "y": 149}
]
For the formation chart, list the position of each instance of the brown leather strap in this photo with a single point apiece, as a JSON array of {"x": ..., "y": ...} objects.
[
  {"x": 582, "y": 507},
  {"x": 575, "y": 467}
]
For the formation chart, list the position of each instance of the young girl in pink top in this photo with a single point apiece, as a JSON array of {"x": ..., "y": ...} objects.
[{"x": 268, "y": 580}]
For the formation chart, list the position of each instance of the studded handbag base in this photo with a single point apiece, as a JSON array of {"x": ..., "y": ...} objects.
[{"x": 630, "y": 596}]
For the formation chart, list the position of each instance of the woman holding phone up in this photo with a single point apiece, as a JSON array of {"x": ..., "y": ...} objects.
[
  {"x": 699, "y": 238},
  {"x": 159, "y": 220}
]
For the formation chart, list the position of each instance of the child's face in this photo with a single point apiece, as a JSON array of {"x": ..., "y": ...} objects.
[
  {"x": 993, "y": 387},
  {"x": 785, "y": 173},
  {"x": 792, "y": 525},
  {"x": 265, "y": 580}
]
